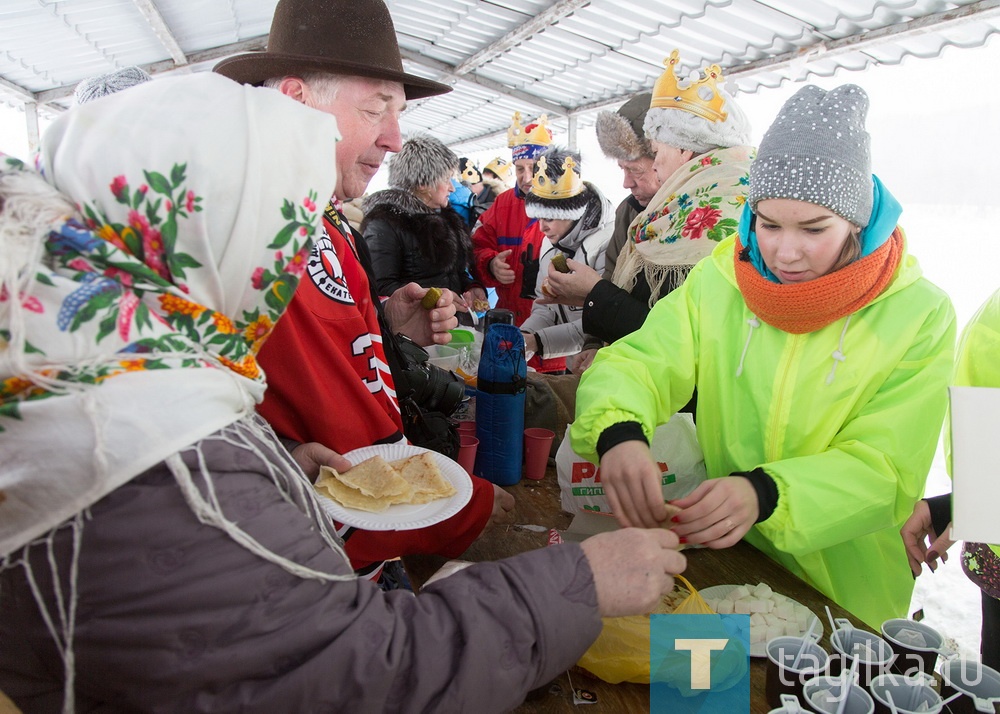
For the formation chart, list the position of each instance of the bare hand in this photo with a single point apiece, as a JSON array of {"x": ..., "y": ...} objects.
[
  {"x": 571, "y": 288},
  {"x": 501, "y": 268},
  {"x": 405, "y": 314},
  {"x": 503, "y": 505},
  {"x": 311, "y": 455},
  {"x": 470, "y": 296},
  {"x": 718, "y": 512},
  {"x": 917, "y": 532},
  {"x": 530, "y": 342},
  {"x": 580, "y": 362},
  {"x": 631, "y": 481},
  {"x": 632, "y": 569}
]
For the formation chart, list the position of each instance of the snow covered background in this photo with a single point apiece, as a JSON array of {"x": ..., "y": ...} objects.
[{"x": 935, "y": 147}]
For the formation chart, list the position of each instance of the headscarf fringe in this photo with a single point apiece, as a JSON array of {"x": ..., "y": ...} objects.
[{"x": 662, "y": 279}]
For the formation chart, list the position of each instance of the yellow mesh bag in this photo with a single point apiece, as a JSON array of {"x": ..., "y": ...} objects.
[{"x": 693, "y": 604}]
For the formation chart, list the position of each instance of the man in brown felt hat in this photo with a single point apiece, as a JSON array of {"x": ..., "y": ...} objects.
[{"x": 334, "y": 354}]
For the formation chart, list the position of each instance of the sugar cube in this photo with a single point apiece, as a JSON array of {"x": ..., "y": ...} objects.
[
  {"x": 784, "y": 610},
  {"x": 725, "y": 607},
  {"x": 741, "y": 607},
  {"x": 763, "y": 590}
]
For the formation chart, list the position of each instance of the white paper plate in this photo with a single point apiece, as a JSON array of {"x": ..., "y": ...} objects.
[
  {"x": 757, "y": 649},
  {"x": 403, "y": 517}
]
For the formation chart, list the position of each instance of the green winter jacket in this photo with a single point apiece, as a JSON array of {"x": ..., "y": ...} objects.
[
  {"x": 978, "y": 360},
  {"x": 844, "y": 419}
]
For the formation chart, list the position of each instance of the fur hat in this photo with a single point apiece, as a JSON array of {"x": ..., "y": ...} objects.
[
  {"x": 345, "y": 37},
  {"x": 104, "y": 84},
  {"x": 423, "y": 161},
  {"x": 620, "y": 133},
  {"x": 690, "y": 132},
  {"x": 817, "y": 150},
  {"x": 570, "y": 208}
]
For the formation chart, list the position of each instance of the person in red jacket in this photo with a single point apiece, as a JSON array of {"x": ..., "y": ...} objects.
[
  {"x": 329, "y": 361},
  {"x": 503, "y": 258}
]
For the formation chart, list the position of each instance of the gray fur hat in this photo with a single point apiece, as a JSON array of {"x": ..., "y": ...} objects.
[
  {"x": 570, "y": 208},
  {"x": 620, "y": 133},
  {"x": 817, "y": 151},
  {"x": 690, "y": 132},
  {"x": 423, "y": 161},
  {"x": 104, "y": 84}
]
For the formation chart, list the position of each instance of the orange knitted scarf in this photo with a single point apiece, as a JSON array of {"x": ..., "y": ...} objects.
[{"x": 810, "y": 306}]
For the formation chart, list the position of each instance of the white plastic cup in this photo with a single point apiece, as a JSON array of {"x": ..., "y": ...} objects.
[
  {"x": 781, "y": 678},
  {"x": 909, "y": 657},
  {"x": 978, "y": 684},
  {"x": 908, "y": 694},
  {"x": 859, "y": 701}
]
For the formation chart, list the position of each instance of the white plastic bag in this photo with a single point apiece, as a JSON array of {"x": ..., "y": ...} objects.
[{"x": 675, "y": 448}]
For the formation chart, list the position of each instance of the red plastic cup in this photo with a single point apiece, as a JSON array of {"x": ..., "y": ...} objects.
[
  {"x": 467, "y": 446},
  {"x": 466, "y": 427},
  {"x": 537, "y": 445}
]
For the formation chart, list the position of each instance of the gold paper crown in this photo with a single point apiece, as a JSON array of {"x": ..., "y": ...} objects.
[
  {"x": 569, "y": 184},
  {"x": 539, "y": 134},
  {"x": 499, "y": 166},
  {"x": 470, "y": 175},
  {"x": 667, "y": 94}
]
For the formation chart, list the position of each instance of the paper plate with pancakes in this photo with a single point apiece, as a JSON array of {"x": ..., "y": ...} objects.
[{"x": 394, "y": 487}]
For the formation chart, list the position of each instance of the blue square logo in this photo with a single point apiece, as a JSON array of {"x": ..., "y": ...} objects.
[{"x": 699, "y": 664}]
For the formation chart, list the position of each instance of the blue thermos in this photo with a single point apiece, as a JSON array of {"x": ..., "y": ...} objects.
[{"x": 500, "y": 388}]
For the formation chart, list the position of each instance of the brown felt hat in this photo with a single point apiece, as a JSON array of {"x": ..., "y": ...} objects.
[{"x": 349, "y": 37}]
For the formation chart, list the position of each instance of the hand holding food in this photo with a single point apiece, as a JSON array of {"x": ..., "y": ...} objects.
[{"x": 430, "y": 298}]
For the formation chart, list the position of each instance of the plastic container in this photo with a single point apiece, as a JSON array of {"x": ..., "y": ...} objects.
[{"x": 443, "y": 356}]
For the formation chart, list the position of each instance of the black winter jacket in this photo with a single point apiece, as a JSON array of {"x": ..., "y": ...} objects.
[{"x": 410, "y": 242}]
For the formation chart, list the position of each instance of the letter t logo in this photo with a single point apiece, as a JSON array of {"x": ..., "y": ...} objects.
[{"x": 701, "y": 659}]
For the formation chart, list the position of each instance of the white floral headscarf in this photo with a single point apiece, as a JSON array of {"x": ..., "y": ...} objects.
[{"x": 140, "y": 282}]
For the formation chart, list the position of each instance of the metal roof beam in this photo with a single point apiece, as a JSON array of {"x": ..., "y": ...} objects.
[
  {"x": 164, "y": 66},
  {"x": 156, "y": 23},
  {"x": 855, "y": 43},
  {"x": 858, "y": 43},
  {"x": 524, "y": 31},
  {"x": 448, "y": 71},
  {"x": 25, "y": 94}
]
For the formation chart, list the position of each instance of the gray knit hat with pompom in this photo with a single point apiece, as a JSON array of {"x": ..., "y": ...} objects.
[
  {"x": 104, "y": 84},
  {"x": 817, "y": 151},
  {"x": 423, "y": 161}
]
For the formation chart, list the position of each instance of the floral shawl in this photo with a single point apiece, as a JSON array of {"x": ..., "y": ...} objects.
[
  {"x": 142, "y": 270},
  {"x": 695, "y": 208}
]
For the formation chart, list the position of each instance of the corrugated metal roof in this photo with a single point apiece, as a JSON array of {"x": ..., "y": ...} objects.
[{"x": 566, "y": 58}]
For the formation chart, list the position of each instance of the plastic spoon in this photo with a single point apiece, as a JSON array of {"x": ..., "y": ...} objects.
[
  {"x": 845, "y": 690},
  {"x": 806, "y": 639},
  {"x": 892, "y": 704}
]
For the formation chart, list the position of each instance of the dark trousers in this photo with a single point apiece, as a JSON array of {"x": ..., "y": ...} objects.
[{"x": 990, "y": 643}]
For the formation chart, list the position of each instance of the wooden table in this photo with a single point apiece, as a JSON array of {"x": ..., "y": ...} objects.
[{"x": 538, "y": 505}]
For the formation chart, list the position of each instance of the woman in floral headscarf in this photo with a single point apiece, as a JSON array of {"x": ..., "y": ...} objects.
[{"x": 159, "y": 549}]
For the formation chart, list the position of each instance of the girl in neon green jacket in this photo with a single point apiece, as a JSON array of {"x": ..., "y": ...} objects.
[
  {"x": 977, "y": 365},
  {"x": 820, "y": 358}
]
